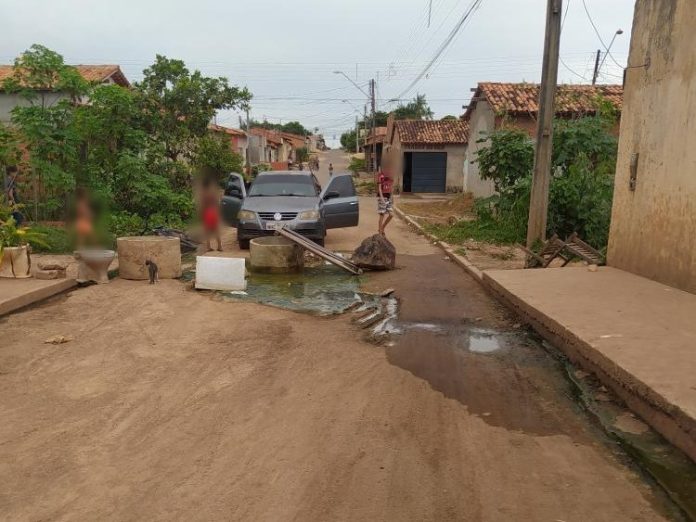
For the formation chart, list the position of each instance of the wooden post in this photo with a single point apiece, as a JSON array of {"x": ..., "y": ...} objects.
[
  {"x": 539, "y": 203},
  {"x": 595, "y": 75},
  {"x": 373, "y": 159}
]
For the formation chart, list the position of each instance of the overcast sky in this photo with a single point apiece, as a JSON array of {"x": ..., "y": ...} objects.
[{"x": 286, "y": 52}]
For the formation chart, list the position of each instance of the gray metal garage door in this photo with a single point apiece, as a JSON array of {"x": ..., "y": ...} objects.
[{"x": 429, "y": 172}]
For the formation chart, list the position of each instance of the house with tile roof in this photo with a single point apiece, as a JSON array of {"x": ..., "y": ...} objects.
[
  {"x": 97, "y": 74},
  {"x": 373, "y": 145},
  {"x": 494, "y": 105},
  {"x": 237, "y": 138},
  {"x": 425, "y": 155}
]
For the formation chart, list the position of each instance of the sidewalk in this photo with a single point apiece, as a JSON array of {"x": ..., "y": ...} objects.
[
  {"x": 18, "y": 293},
  {"x": 637, "y": 335}
]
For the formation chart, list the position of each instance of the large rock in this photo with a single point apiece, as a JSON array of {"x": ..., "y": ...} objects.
[{"x": 375, "y": 253}]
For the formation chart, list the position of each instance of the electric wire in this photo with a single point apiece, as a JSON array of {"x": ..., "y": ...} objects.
[{"x": 474, "y": 5}]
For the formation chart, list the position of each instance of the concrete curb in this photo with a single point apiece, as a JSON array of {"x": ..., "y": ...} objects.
[
  {"x": 671, "y": 422},
  {"x": 666, "y": 418},
  {"x": 448, "y": 249},
  {"x": 35, "y": 296}
]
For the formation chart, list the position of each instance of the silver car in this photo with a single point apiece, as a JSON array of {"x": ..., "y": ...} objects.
[{"x": 289, "y": 199}]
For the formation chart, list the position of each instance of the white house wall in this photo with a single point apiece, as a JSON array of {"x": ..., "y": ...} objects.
[{"x": 481, "y": 122}]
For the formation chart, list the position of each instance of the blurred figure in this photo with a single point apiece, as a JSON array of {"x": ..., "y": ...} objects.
[
  {"x": 210, "y": 212},
  {"x": 84, "y": 218},
  {"x": 11, "y": 194},
  {"x": 330, "y": 169},
  {"x": 384, "y": 199}
]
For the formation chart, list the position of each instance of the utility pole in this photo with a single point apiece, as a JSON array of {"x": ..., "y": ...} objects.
[
  {"x": 365, "y": 129},
  {"x": 539, "y": 202},
  {"x": 248, "y": 156},
  {"x": 357, "y": 134},
  {"x": 596, "y": 67},
  {"x": 373, "y": 161}
]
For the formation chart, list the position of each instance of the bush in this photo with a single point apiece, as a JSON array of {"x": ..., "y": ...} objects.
[
  {"x": 356, "y": 165},
  {"x": 56, "y": 239},
  {"x": 580, "y": 193},
  {"x": 508, "y": 157}
]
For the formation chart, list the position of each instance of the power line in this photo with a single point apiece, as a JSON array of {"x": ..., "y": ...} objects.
[
  {"x": 445, "y": 44},
  {"x": 589, "y": 17},
  {"x": 565, "y": 16}
]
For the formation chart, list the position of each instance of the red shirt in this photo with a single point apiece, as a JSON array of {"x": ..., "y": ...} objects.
[{"x": 385, "y": 182}]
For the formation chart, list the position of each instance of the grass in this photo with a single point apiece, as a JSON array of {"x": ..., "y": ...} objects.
[{"x": 488, "y": 230}]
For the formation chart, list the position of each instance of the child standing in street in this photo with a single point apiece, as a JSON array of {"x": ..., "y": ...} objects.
[
  {"x": 384, "y": 203},
  {"x": 210, "y": 212}
]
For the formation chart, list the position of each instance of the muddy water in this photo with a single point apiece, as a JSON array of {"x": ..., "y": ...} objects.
[
  {"x": 321, "y": 290},
  {"x": 448, "y": 332},
  {"x": 444, "y": 329}
]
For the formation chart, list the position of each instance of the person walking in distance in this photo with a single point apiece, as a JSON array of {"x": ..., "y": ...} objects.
[
  {"x": 330, "y": 169},
  {"x": 384, "y": 203}
]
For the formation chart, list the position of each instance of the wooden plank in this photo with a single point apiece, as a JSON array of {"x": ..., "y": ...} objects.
[{"x": 322, "y": 252}]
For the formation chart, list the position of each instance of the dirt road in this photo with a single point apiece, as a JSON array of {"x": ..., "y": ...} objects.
[{"x": 175, "y": 405}]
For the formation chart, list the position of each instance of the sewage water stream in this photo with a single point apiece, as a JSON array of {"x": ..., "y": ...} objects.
[{"x": 509, "y": 377}]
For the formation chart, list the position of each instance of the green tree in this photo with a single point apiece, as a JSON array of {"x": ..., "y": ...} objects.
[
  {"x": 51, "y": 90},
  {"x": 417, "y": 109},
  {"x": 295, "y": 127},
  {"x": 135, "y": 148},
  {"x": 507, "y": 158},
  {"x": 348, "y": 140},
  {"x": 214, "y": 155},
  {"x": 176, "y": 105}
]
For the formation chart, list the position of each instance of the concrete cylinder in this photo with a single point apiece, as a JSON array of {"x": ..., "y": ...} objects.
[
  {"x": 134, "y": 251},
  {"x": 14, "y": 262},
  {"x": 275, "y": 254}
]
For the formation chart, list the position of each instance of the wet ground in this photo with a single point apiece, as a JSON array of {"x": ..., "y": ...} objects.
[
  {"x": 175, "y": 404},
  {"x": 500, "y": 371}
]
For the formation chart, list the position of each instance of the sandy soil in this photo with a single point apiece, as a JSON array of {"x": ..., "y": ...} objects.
[{"x": 174, "y": 405}]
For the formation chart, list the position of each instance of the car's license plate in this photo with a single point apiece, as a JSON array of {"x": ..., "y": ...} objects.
[{"x": 274, "y": 225}]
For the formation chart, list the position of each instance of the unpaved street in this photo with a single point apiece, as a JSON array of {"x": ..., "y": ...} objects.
[{"x": 175, "y": 405}]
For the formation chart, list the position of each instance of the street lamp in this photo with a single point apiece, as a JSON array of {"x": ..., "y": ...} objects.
[
  {"x": 351, "y": 81},
  {"x": 618, "y": 32}
]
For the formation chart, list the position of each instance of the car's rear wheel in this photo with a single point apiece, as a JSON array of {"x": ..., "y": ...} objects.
[{"x": 243, "y": 244}]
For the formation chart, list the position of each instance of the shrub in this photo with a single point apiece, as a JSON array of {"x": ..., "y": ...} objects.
[{"x": 356, "y": 165}]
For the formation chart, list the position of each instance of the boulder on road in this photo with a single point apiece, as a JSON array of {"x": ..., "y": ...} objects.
[{"x": 375, "y": 253}]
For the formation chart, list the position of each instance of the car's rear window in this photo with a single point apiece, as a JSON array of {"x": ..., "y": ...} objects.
[{"x": 283, "y": 185}]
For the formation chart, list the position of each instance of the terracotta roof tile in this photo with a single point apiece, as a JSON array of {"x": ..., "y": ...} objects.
[
  {"x": 523, "y": 98},
  {"x": 91, "y": 73},
  {"x": 379, "y": 136},
  {"x": 424, "y": 132},
  {"x": 226, "y": 130}
]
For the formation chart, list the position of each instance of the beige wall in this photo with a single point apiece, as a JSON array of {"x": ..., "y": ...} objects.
[
  {"x": 653, "y": 229},
  {"x": 482, "y": 121},
  {"x": 9, "y": 101}
]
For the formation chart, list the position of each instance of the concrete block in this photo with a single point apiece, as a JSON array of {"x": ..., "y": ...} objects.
[
  {"x": 134, "y": 251},
  {"x": 49, "y": 274},
  {"x": 220, "y": 273}
]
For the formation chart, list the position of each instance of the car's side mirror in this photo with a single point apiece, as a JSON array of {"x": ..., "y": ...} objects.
[{"x": 332, "y": 194}]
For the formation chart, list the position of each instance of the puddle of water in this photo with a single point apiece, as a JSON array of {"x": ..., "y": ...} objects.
[
  {"x": 484, "y": 341},
  {"x": 322, "y": 290}
]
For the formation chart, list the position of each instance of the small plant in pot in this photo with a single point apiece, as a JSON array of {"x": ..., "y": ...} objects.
[{"x": 15, "y": 245}]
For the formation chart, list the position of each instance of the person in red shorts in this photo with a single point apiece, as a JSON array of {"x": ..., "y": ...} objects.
[
  {"x": 384, "y": 203},
  {"x": 210, "y": 212}
]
